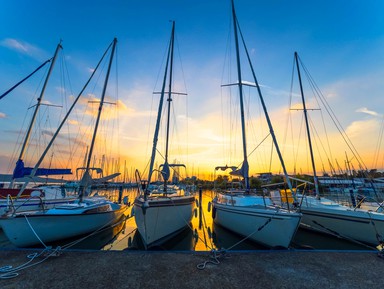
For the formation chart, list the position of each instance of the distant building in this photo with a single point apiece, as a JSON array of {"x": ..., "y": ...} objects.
[{"x": 265, "y": 177}]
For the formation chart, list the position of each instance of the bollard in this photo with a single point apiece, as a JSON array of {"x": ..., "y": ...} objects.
[
  {"x": 120, "y": 194},
  {"x": 200, "y": 213}
]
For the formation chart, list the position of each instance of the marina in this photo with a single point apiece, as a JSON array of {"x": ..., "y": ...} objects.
[
  {"x": 168, "y": 157},
  {"x": 116, "y": 257}
]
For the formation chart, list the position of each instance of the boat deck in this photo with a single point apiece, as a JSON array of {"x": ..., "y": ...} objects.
[{"x": 138, "y": 269}]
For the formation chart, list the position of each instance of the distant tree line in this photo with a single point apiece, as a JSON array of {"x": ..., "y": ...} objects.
[{"x": 224, "y": 181}]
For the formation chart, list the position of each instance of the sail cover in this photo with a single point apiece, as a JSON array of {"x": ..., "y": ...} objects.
[
  {"x": 243, "y": 171},
  {"x": 21, "y": 171},
  {"x": 165, "y": 172}
]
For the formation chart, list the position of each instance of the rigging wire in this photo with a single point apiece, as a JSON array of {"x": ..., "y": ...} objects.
[
  {"x": 227, "y": 58},
  {"x": 186, "y": 103},
  {"x": 22, "y": 131},
  {"x": 331, "y": 113},
  {"x": 28, "y": 76},
  {"x": 378, "y": 145}
]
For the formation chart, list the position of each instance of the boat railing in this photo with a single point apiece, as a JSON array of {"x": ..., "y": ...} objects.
[
  {"x": 12, "y": 208},
  {"x": 348, "y": 199},
  {"x": 352, "y": 198},
  {"x": 141, "y": 184}
]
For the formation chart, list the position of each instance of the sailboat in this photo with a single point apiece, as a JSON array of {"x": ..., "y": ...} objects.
[
  {"x": 33, "y": 198},
  {"x": 241, "y": 210},
  {"x": 83, "y": 216},
  {"x": 163, "y": 211},
  {"x": 327, "y": 216}
]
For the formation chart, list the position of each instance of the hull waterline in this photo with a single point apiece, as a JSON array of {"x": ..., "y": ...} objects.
[
  {"x": 25, "y": 230},
  {"x": 159, "y": 219},
  {"x": 268, "y": 226}
]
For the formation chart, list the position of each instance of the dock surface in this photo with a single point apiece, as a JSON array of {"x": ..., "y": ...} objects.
[{"x": 139, "y": 269}]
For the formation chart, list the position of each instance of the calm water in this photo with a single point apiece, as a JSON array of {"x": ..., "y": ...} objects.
[{"x": 202, "y": 235}]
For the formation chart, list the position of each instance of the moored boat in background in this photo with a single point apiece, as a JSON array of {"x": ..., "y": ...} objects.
[
  {"x": 329, "y": 216},
  {"x": 83, "y": 216}
]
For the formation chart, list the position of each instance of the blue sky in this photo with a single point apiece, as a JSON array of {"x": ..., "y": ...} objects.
[{"x": 340, "y": 42}]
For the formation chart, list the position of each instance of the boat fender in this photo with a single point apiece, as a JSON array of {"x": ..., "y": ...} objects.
[
  {"x": 209, "y": 233},
  {"x": 144, "y": 207},
  {"x": 195, "y": 212},
  {"x": 132, "y": 211},
  {"x": 196, "y": 235},
  {"x": 209, "y": 207},
  {"x": 37, "y": 194},
  {"x": 213, "y": 213},
  {"x": 197, "y": 202}
]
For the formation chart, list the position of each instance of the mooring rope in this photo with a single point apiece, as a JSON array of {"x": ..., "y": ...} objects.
[
  {"x": 9, "y": 272},
  {"x": 34, "y": 232},
  {"x": 216, "y": 254},
  {"x": 378, "y": 236},
  {"x": 334, "y": 233}
]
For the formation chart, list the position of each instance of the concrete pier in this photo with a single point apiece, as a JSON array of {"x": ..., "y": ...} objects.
[{"x": 139, "y": 269}]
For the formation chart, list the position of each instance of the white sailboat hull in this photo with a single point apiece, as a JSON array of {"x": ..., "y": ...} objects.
[
  {"x": 248, "y": 217},
  {"x": 329, "y": 217},
  {"x": 160, "y": 218},
  {"x": 58, "y": 224}
]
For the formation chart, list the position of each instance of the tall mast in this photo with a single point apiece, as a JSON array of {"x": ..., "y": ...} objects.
[
  {"x": 86, "y": 175},
  {"x": 61, "y": 125},
  {"x": 169, "y": 105},
  {"x": 157, "y": 128},
  {"x": 267, "y": 116},
  {"x": 39, "y": 100},
  {"x": 240, "y": 85},
  {"x": 307, "y": 126}
]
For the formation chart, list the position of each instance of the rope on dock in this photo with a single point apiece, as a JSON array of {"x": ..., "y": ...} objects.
[
  {"x": 8, "y": 272},
  {"x": 215, "y": 256},
  {"x": 222, "y": 253}
]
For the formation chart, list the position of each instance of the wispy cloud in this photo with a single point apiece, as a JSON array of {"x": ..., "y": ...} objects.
[
  {"x": 367, "y": 111},
  {"x": 2, "y": 115},
  {"x": 362, "y": 128},
  {"x": 24, "y": 48},
  {"x": 16, "y": 45},
  {"x": 73, "y": 122}
]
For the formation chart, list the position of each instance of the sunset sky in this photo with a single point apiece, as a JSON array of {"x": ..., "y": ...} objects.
[{"x": 341, "y": 44}]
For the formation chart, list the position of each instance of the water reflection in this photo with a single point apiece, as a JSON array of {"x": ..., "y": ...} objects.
[
  {"x": 95, "y": 241},
  {"x": 201, "y": 235},
  {"x": 204, "y": 235}
]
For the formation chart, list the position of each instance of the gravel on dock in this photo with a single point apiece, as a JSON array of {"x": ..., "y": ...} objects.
[{"x": 140, "y": 269}]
